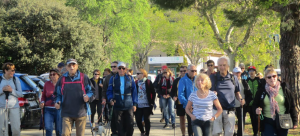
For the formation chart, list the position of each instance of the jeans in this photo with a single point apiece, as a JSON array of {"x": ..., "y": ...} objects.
[
  {"x": 271, "y": 130},
  {"x": 96, "y": 104},
  {"x": 202, "y": 128},
  {"x": 52, "y": 115},
  {"x": 124, "y": 122},
  {"x": 140, "y": 114},
  {"x": 168, "y": 108}
]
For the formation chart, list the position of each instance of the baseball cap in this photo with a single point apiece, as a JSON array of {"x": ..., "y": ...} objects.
[
  {"x": 251, "y": 67},
  {"x": 164, "y": 67},
  {"x": 121, "y": 64},
  {"x": 61, "y": 65},
  {"x": 54, "y": 70},
  {"x": 237, "y": 69},
  {"x": 69, "y": 61}
]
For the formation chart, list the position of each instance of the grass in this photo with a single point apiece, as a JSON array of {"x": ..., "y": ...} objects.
[{"x": 248, "y": 128}]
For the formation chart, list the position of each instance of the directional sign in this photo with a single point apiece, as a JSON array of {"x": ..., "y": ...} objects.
[{"x": 159, "y": 60}]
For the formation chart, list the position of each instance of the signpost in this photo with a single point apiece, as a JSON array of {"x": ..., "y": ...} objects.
[{"x": 159, "y": 60}]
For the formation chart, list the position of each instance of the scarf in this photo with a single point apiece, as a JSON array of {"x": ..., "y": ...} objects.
[
  {"x": 273, "y": 92},
  {"x": 164, "y": 83}
]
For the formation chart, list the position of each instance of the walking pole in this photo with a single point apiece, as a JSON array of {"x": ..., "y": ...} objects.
[
  {"x": 43, "y": 122},
  {"x": 88, "y": 114},
  {"x": 175, "y": 118},
  {"x": 242, "y": 117},
  {"x": 258, "y": 117},
  {"x": 6, "y": 113}
]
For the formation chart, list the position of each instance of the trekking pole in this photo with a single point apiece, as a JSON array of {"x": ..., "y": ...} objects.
[
  {"x": 43, "y": 121},
  {"x": 6, "y": 112},
  {"x": 175, "y": 118},
  {"x": 242, "y": 118},
  {"x": 88, "y": 114},
  {"x": 258, "y": 117}
]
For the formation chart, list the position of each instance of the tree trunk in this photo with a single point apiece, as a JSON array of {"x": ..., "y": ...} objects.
[
  {"x": 232, "y": 61},
  {"x": 290, "y": 50}
]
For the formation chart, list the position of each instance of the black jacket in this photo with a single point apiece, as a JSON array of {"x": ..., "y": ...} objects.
[
  {"x": 98, "y": 89},
  {"x": 289, "y": 102},
  {"x": 150, "y": 92},
  {"x": 247, "y": 92},
  {"x": 174, "y": 90}
]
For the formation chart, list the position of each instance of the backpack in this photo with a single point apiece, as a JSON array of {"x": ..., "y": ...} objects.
[
  {"x": 231, "y": 78},
  {"x": 14, "y": 80},
  {"x": 130, "y": 78},
  {"x": 63, "y": 82}
]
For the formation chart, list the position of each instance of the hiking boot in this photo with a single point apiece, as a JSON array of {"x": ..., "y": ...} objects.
[
  {"x": 162, "y": 120},
  {"x": 173, "y": 125},
  {"x": 166, "y": 126}
]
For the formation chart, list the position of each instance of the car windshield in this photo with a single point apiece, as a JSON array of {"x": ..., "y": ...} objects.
[
  {"x": 41, "y": 83},
  {"x": 29, "y": 81}
]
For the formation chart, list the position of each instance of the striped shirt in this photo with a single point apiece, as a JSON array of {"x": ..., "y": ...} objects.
[{"x": 203, "y": 107}]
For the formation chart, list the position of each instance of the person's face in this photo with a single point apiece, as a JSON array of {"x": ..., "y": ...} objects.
[
  {"x": 129, "y": 73},
  {"x": 166, "y": 74},
  {"x": 53, "y": 76},
  {"x": 9, "y": 73},
  {"x": 238, "y": 74},
  {"x": 121, "y": 71},
  {"x": 243, "y": 69},
  {"x": 113, "y": 67},
  {"x": 210, "y": 66},
  {"x": 223, "y": 66},
  {"x": 96, "y": 75},
  {"x": 139, "y": 75},
  {"x": 72, "y": 68},
  {"x": 192, "y": 72},
  {"x": 201, "y": 83},
  {"x": 182, "y": 72},
  {"x": 271, "y": 79},
  {"x": 252, "y": 73}
]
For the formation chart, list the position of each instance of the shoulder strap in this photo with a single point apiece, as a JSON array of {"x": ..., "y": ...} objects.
[
  {"x": 82, "y": 82},
  {"x": 232, "y": 79},
  {"x": 0, "y": 79},
  {"x": 148, "y": 82},
  {"x": 14, "y": 80}
]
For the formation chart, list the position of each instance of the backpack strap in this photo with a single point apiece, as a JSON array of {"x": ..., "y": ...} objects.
[
  {"x": 148, "y": 82},
  {"x": 232, "y": 79},
  {"x": 0, "y": 79},
  {"x": 14, "y": 80},
  {"x": 82, "y": 82}
]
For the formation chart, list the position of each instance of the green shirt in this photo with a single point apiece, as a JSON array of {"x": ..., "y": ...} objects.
[
  {"x": 253, "y": 84},
  {"x": 280, "y": 100}
]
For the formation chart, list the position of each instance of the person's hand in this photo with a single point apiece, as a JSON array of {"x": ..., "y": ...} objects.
[
  {"x": 215, "y": 92},
  {"x": 103, "y": 101},
  {"x": 168, "y": 96},
  {"x": 85, "y": 98},
  {"x": 101, "y": 85},
  {"x": 242, "y": 101},
  {"x": 295, "y": 127},
  {"x": 175, "y": 98},
  {"x": 193, "y": 117},
  {"x": 134, "y": 108},
  {"x": 7, "y": 88},
  {"x": 41, "y": 105},
  {"x": 57, "y": 105},
  {"x": 258, "y": 111},
  {"x": 212, "y": 119},
  {"x": 112, "y": 102},
  {"x": 165, "y": 96}
]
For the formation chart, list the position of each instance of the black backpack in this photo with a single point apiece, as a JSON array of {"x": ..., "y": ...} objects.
[{"x": 231, "y": 78}]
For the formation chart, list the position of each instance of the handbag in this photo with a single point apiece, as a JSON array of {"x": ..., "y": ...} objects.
[{"x": 284, "y": 121}]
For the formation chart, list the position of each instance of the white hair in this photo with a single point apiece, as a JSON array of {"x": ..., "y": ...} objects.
[
  {"x": 189, "y": 66},
  {"x": 224, "y": 58}
]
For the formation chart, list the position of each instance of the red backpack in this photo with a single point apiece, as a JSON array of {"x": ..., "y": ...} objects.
[{"x": 76, "y": 82}]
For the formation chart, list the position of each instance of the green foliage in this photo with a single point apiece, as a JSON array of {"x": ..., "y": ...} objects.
[
  {"x": 122, "y": 22},
  {"x": 179, "y": 52},
  {"x": 38, "y": 34}
]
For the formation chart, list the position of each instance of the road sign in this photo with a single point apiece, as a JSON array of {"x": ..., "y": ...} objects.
[{"x": 159, "y": 60}]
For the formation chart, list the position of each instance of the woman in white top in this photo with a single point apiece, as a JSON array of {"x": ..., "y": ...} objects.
[{"x": 201, "y": 104}]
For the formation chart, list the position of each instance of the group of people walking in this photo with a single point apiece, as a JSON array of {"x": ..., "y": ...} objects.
[{"x": 210, "y": 100}]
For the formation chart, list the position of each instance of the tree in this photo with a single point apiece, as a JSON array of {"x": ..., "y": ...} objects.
[
  {"x": 38, "y": 34},
  {"x": 122, "y": 23}
]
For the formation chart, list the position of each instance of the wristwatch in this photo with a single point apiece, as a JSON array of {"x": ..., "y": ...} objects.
[{"x": 215, "y": 117}]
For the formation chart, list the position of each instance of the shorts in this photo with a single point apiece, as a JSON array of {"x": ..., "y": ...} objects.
[{"x": 180, "y": 110}]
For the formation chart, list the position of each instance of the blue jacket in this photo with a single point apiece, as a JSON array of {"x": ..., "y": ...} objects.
[
  {"x": 72, "y": 103},
  {"x": 130, "y": 93},
  {"x": 185, "y": 88}
]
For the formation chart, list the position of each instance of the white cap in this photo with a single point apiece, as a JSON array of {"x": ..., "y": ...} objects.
[
  {"x": 237, "y": 69},
  {"x": 121, "y": 64}
]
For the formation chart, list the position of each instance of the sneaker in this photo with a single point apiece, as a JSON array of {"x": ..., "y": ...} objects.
[
  {"x": 162, "y": 120},
  {"x": 166, "y": 126},
  {"x": 173, "y": 125}
]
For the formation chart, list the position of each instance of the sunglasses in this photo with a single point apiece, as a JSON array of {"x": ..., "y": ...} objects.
[
  {"x": 193, "y": 70},
  {"x": 242, "y": 68},
  {"x": 96, "y": 74},
  {"x": 165, "y": 72},
  {"x": 138, "y": 73},
  {"x": 183, "y": 71},
  {"x": 53, "y": 74},
  {"x": 210, "y": 65},
  {"x": 274, "y": 76},
  {"x": 113, "y": 66},
  {"x": 121, "y": 68},
  {"x": 72, "y": 64}
]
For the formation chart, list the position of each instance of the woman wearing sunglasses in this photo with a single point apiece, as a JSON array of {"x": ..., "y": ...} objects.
[
  {"x": 167, "y": 102},
  {"x": 51, "y": 115},
  {"x": 96, "y": 103},
  {"x": 274, "y": 98},
  {"x": 146, "y": 98}
]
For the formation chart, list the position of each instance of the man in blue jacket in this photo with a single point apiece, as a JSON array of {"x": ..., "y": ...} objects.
[
  {"x": 185, "y": 87},
  {"x": 73, "y": 91},
  {"x": 122, "y": 94}
]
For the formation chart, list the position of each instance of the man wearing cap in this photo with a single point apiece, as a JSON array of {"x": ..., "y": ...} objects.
[
  {"x": 244, "y": 73},
  {"x": 253, "y": 82},
  {"x": 122, "y": 94},
  {"x": 226, "y": 86},
  {"x": 60, "y": 66},
  {"x": 186, "y": 86},
  {"x": 114, "y": 71},
  {"x": 73, "y": 91},
  {"x": 245, "y": 93},
  {"x": 156, "y": 85}
]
